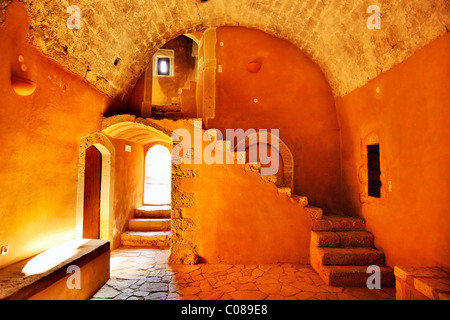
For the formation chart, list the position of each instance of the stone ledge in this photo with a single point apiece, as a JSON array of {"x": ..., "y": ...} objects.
[
  {"x": 46, "y": 272},
  {"x": 420, "y": 283}
]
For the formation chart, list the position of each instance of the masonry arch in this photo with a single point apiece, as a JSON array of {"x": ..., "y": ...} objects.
[
  {"x": 106, "y": 148},
  {"x": 283, "y": 150}
]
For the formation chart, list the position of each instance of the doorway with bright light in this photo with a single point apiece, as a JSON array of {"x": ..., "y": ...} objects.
[{"x": 157, "y": 184}]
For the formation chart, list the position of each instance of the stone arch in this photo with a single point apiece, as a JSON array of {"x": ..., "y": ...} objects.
[
  {"x": 106, "y": 148},
  {"x": 283, "y": 149}
]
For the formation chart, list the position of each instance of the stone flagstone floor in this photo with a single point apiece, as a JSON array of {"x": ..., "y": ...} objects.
[{"x": 143, "y": 274}]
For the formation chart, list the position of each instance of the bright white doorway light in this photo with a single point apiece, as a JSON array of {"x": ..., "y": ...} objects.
[{"x": 157, "y": 182}]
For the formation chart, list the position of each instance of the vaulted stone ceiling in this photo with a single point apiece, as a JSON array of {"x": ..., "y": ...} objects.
[{"x": 332, "y": 32}]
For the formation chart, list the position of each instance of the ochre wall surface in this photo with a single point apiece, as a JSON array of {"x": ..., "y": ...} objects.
[
  {"x": 410, "y": 114},
  {"x": 40, "y": 137},
  {"x": 293, "y": 96},
  {"x": 129, "y": 185},
  {"x": 239, "y": 218},
  {"x": 136, "y": 97}
]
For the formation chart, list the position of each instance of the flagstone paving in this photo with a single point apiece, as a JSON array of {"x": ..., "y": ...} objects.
[{"x": 139, "y": 273}]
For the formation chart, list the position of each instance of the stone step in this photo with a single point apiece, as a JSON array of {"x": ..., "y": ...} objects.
[
  {"x": 339, "y": 223},
  {"x": 314, "y": 212},
  {"x": 167, "y": 108},
  {"x": 354, "y": 276},
  {"x": 269, "y": 178},
  {"x": 342, "y": 239},
  {"x": 285, "y": 190},
  {"x": 350, "y": 256},
  {"x": 300, "y": 199},
  {"x": 149, "y": 224},
  {"x": 146, "y": 238},
  {"x": 173, "y": 115},
  {"x": 153, "y": 212}
]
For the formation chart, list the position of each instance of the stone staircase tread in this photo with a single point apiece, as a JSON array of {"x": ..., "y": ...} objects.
[
  {"x": 146, "y": 238},
  {"x": 149, "y": 224},
  {"x": 145, "y": 219},
  {"x": 152, "y": 234},
  {"x": 303, "y": 200},
  {"x": 346, "y": 239},
  {"x": 355, "y": 276},
  {"x": 339, "y": 223},
  {"x": 154, "y": 208},
  {"x": 350, "y": 250},
  {"x": 350, "y": 256},
  {"x": 153, "y": 212},
  {"x": 285, "y": 190},
  {"x": 354, "y": 269}
]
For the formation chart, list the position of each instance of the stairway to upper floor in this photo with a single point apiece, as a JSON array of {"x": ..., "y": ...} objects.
[
  {"x": 341, "y": 248},
  {"x": 150, "y": 227},
  {"x": 183, "y": 107}
]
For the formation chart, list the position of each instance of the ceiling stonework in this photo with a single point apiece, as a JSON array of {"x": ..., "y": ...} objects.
[{"x": 117, "y": 38}]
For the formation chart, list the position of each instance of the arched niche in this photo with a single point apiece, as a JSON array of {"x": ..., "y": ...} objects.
[{"x": 283, "y": 150}]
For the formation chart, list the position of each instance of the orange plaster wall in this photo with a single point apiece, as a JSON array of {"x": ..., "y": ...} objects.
[
  {"x": 40, "y": 137},
  {"x": 128, "y": 186},
  {"x": 137, "y": 97},
  {"x": 411, "y": 116},
  {"x": 293, "y": 96},
  {"x": 242, "y": 219}
]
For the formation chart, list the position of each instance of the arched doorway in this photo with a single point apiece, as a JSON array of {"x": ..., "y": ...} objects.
[
  {"x": 157, "y": 183},
  {"x": 92, "y": 190},
  {"x": 96, "y": 163}
]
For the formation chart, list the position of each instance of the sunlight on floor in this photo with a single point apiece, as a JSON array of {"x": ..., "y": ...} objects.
[{"x": 144, "y": 274}]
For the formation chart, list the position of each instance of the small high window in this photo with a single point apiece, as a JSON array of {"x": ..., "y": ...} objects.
[
  {"x": 374, "y": 171},
  {"x": 163, "y": 63},
  {"x": 163, "y": 66}
]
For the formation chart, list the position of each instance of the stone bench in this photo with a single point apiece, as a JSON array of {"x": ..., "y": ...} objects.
[
  {"x": 426, "y": 283},
  {"x": 74, "y": 270}
]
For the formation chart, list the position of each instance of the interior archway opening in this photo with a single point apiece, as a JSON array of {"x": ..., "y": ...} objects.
[{"x": 157, "y": 183}]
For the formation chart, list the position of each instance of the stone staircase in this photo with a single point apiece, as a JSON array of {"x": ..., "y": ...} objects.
[
  {"x": 182, "y": 107},
  {"x": 170, "y": 111},
  {"x": 150, "y": 227},
  {"x": 240, "y": 156},
  {"x": 341, "y": 250}
]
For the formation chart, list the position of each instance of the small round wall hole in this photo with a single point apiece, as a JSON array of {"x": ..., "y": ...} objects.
[{"x": 253, "y": 67}]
